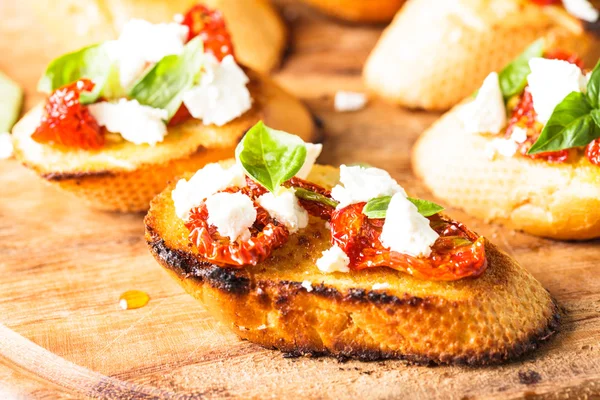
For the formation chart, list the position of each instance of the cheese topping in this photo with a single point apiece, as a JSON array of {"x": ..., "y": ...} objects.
[
  {"x": 207, "y": 181},
  {"x": 349, "y": 101},
  {"x": 519, "y": 135},
  {"x": 405, "y": 230},
  {"x": 307, "y": 285},
  {"x": 312, "y": 153},
  {"x": 582, "y": 9},
  {"x": 232, "y": 214},
  {"x": 487, "y": 113},
  {"x": 142, "y": 44},
  {"x": 6, "y": 146},
  {"x": 221, "y": 95},
  {"x": 550, "y": 81},
  {"x": 363, "y": 184},
  {"x": 333, "y": 260},
  {"x": 504, "y": 147},
  {"x": 134, "y": 122},
  {"x": 285, "y": 208}
]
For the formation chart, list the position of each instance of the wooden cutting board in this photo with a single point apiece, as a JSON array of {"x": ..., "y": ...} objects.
[{"x": 63, "y": 268}]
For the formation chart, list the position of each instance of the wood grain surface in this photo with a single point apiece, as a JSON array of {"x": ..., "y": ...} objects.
[{"x": 63, "y": 267}]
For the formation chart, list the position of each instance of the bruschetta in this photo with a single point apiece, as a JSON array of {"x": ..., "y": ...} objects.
[
  {"x": 316, "y": 260},
  {"x": 257, "y": 31},
  {"x": 435, "y": 53},
  {"x": 125, "y": 116},
  {"x": 359, "y": 10},
  {"x": 523, "y": 151}
]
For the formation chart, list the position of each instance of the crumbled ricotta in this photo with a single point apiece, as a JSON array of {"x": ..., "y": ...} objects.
[
  {"x": 581, "y": 9},
  {"x": 550, "y": 81},
  {"x": 221, "y": 95},
  {"x": 487, "y": 113},
  {"x": 518, "y": 135},
  {"x": 285, "y": 208},
  {"x": 360, "y": 184},
  {"x": 312, "y": 153},
  {"x": 333, "y": 260},
  {"x": 142, "y": 44},
  {"x": 178, "y": 18},
  {"x": 380, "y": 286},
  {"x": 307, "y": 285},
  {"x": 134, "y": 122},
  {"x": 207, "y": 181},
  {"x": 6, "y": 146},
  {"x": 405, "y": 230},
  {"x": 232, "y": 214},
  {"x": 349, "y": 101},
  {"x": 503, "y": 147}
]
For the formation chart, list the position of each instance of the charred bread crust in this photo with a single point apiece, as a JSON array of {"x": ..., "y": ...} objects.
[{"x": 495, "y": 318}]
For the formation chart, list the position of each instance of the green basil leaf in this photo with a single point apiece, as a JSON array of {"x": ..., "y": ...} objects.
[
  {"x": 513, "y": 78},
  {"x": 269, "y": 156},
  {"x": 11, "y": 100},
  {"x": 377, "y": 208},
  {"x": 92, "y": 62},
  {"x": 164, "y": 84},
  {"x": 314, "y": 196},
  {"x": 571, "y": 124},
  {"x": 593, "y": 87}
]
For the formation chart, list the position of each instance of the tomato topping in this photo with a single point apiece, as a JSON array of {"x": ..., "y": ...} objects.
[
  {"x": 546, "y": 2},
  {"x": 67, "y": 122},
  {"x": 266, "y": 236},
  {"x": 458, "y": 253},
  {"x": 563, "y": 55},
  {"x": 592, "y": 152},
  {"x": 210, "y": 26},
  {"x": 314, "y": 208},
  {"x": 181, "y": 115}
]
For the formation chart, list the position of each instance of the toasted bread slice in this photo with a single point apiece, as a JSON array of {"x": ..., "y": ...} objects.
[
  {"x": 125, "y": 177},
  {"x": 494, "y": 318},
  {"x": 435, "y": 53},
  {"x": 359, "y": 10},
  {"x": 258, "y": 33},
  {"x": 560, "y": 201}
]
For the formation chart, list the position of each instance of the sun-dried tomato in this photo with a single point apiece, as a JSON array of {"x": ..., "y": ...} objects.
[
  {"x": 546, "y": 2},
  {"x": 458, "y": 252},
  {"x": 314, "y": 208},
  {"x": 266, "y": 236},
  {"x": 181, "y": 115},
  {"x": 592, "y": 152},
  {"x": 67, "y": 122},
  {"x": 210, "y": 26},
  {"x": 565, "y": 56}
]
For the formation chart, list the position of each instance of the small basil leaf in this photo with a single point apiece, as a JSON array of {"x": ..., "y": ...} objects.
[
  {"x": 593, "y": 87},
  {"x": 309, "y": 195},
  {"x": 377, "y": 208},
  {"x": 92, "y": 62},
  {"x": 513, "y": 78},
  {"x": 11, "y": 100},
  {"x": 269, "y": 156},
  {"x": 164, "y": 84},
  {"x": 571, "y": 125}
]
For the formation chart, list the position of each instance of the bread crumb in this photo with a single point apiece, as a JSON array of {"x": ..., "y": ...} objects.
[
  {"x": 379, "y": 286},
  {"x": 307, "y": 285},
  {"x": 349, "y": 101},
  {"x": 262, "y": 327}
]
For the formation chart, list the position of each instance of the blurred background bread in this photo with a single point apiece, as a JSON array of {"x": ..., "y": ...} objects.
[{"x": 359, "y": 10}]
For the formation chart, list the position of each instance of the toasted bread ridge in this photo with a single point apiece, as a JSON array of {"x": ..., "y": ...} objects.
[
  {"x": 494, "y": 318},
  {"x": 359, "y": 10}
]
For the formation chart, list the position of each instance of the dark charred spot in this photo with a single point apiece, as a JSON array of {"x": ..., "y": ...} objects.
[{"x": 529, "y": 377}]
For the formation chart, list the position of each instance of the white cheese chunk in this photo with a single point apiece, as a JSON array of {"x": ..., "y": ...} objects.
[
  {"x": 307, "y": 285},
  {"x": 207, "y": 181},
  {"x": 312, "y": 153},
  {"x": 232, "y": 214},
  {"x": 405, "y": 230},
  {"x": 487, "y": 113},
  {"x": 503, "y": 147},
  {"x": 284, "y": 207},
  {"x": 360, "y": 184},
  {"x": 380, "y": 286},
  {"x": 349, "y": 101},
  {"x": 6, "y": 146},
  {"x": 333, "y": 260},
  {"x": 581, "y": 9},
  {"x": 134, "y": 122},
  {"x": 518, "y": 135},
  {"x": 222, "y": 95},
  {"x": 142, "y": 44},
  {"x": 550, "y": 81}
]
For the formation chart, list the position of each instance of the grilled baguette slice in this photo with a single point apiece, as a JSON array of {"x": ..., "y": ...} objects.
[
  {"x": 125, "y": 177},
  {"x": 435, "y": 53},
  {"x": 257, "y": 31},
  {"x": 494, "y": 318},
  {"x": 560, "y": 201},
  {"x": 359, "y": 10}
]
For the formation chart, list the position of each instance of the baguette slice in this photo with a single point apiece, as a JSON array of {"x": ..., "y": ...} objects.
[
  {"x": 560, "y": 201},
  {"x": 359, "y": 10},
  {"x": 435, "y": 53},
  {"x": 125, "y": 177},
  {"x": 494, "y": 318}
]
